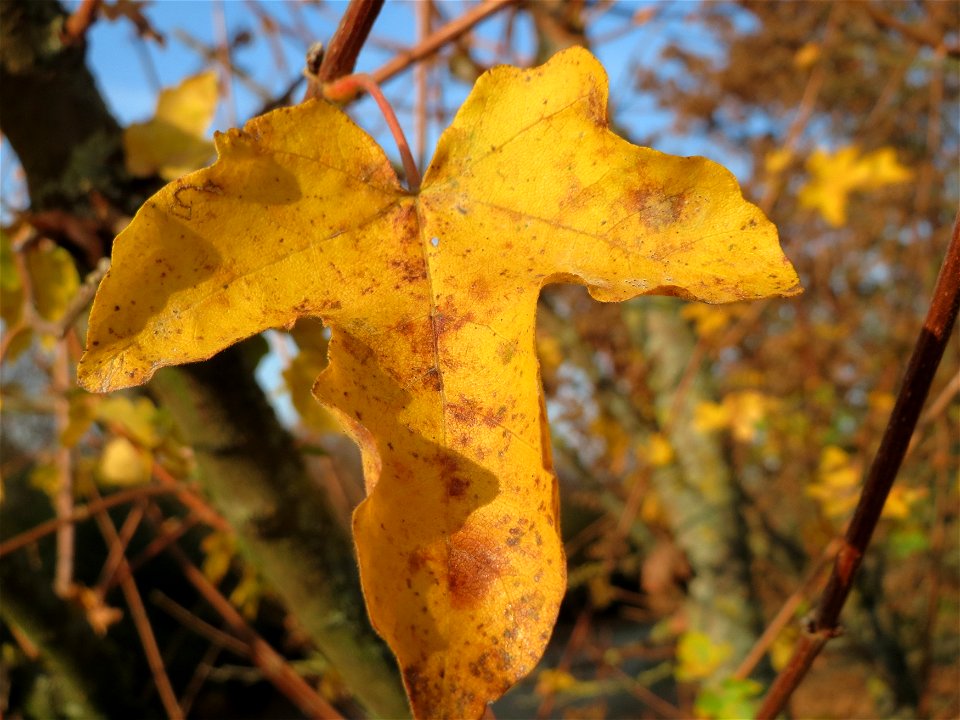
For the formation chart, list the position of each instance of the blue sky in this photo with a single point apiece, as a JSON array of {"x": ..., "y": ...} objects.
[
  {"x": 131, "y": 71},
  {"x": 129, "y": 80}
]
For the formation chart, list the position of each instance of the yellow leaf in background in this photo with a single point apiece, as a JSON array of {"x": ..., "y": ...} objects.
[
  {"x": 776, "y": 161},
  {"x": 554, "y": 681},
  {"x": 651, "y": 509},
  {"x": 247, "y": 594},
  {"x": 45, "y": 478},
  {"x": 806, "y": 55},
  {"x": 836, "y": 468},
  {"x": 616, "y": 441},
  {"x": 173, "y": 142},
  {"x": 123, "y": 463},
  {"x": 219, "y": 549},
  {"x": 431, "y": 298},
  {"x": 747, "y": 410},
  {"x": 11, "y": 299},
  {"x": 781, "y": 649},
  {"x": 708, "y": 319},
  {"x": 837, "y": 486},
  {"x": 139, "y": 418},
  {"x": 742, "y": 412},
  {"x": 9, "y": 278},
  {"x": 710, "y": 417},
  {"x": 550, "y": 352},
  {"x": 81, "y": 414},
  {"x": 833, "y": 176},
  {"x": 881, "y": 403},
  {"x": 302, "y": 372},
  {"x": 602, "y": 593},
  {"x": 299, "y": 376},
  {"x": 659, "y": 451},
  {"x": 54, "y": 279},
  {"x": 900, "y": 500},
  {"x": 698, "y": 656}
]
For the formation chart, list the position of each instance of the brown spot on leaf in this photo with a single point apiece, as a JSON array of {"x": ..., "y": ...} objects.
[
  {"x": 182, "y": 207},
  {"x": 466, "y": 411},
  {"x": 655, "y": 209},
  {"x": 412, "y": 270},
  {"x": 493, "y": 418},
  {"x": 479, "y": 290},
  {"x": 416, "y": 562},
  {"x": 474, "y": 564},
  {"x": 452, "y": 476}
]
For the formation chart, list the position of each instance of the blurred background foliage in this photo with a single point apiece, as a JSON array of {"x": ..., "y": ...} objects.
[{"x": 709, "y": 457}]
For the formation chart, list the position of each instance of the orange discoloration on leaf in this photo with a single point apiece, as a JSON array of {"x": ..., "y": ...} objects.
[{"x": 431, "y": 301}]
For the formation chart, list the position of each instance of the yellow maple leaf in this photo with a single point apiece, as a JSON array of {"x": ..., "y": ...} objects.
[
  {"x": 431, "y": 297},
  {"x": 172, "y": 142},
  {"x": 833, "y": 176}
]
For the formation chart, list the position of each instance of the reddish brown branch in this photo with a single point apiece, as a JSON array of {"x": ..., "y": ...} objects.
[
  {"x": 81, "y": 513},
  {"x": 274, "y": 666},
  {"x": 921, "y": 369},
  {"x": 76, "y": 26},
  {"x": 340, "y": 57},
  {"x": 916, "y": 33},
  {"x": 205, "y": 629},
  {"x": 138, "y": 613},
  {"x": 431, "y": 44},
  {"x": 350, "y": 85},
  {"x": 190, "y": 499},
  {"x": 117, "y": 555},
  {"x": 349, "y": 37}
]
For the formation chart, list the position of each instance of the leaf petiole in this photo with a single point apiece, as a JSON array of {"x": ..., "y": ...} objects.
[{"x": 347, "y": 86}]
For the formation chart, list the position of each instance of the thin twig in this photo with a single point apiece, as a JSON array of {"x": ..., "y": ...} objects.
[
  {"x": 190, "y": 499},
  {"x": 916, "y": 33},
  {"x": 571, "y": 649},
  {"x": 449, "y": 32},
  {"x": 200, "y": 627},
  {"x": 63, "y": 462},
  {"x": 226, "y": 63},
  {"x": 138, "y": 614},
  {"x": 924, "y": 361},
  {"x": 200, "y": 674},
  {"x": 76, "y": 26},
  {"x": 424, "y": 12},
  {"x": 156, "y": 546},
  {"x": 84, "y": 512},
  {"x": 118, "y": 551},
  {"x": 341, "y": 55},
  {"x": 950, "y": 391},
  {"x": 348, "y": 86},
  {"x": 938, "y": 537},
  {"x": 274, "y": 667},
  {"x": 786, "y": 613}
]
